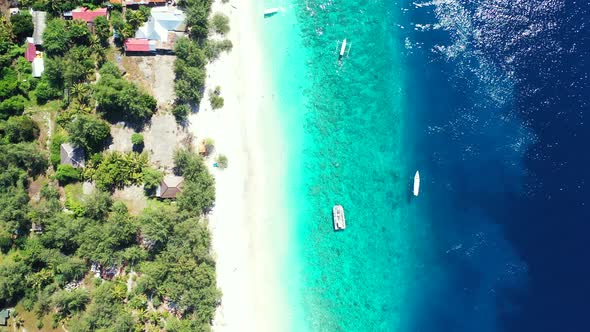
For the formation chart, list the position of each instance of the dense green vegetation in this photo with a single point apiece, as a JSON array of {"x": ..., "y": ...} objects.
[
  {"x": 194, "y": 52},
  {"x": 48, "y": 242},
  {"x": 121, "y": 99}
]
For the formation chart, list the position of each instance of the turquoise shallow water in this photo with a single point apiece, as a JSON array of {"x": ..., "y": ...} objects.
[
  {"x": 344, "y": 127},
  {"x": 489, "y": 110}
]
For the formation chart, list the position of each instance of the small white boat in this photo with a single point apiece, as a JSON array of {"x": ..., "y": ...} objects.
[
  {"x": 417, "y": 183},
  {"x": 338, "y": 217},
  {"x": 271, "y": 11},
  {"x": 343, "y": 48}
]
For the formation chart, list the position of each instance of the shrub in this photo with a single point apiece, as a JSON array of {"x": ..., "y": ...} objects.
[
  {"x": 137, "y": 139},
  {"x": 151, "y": 179},
  {"x": 220, "y": 23},
  {"x": 215, "y": 99},
  {"x": 117, "y": 170},
  {"x": 213, "y": 48},
  {"x": 209, "y": 145},
  {"x": 181, "y": 112},
  {"x": 55, "y": 149},
  {"x": 67, "y": 174},
  {"x": 221, "y": 161}
]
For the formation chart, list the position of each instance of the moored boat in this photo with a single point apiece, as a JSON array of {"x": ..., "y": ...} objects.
[
  {"x": 417, "y": 183},
  {"x": 271, "y": 11},
  {"x": 338, "y": 216}
]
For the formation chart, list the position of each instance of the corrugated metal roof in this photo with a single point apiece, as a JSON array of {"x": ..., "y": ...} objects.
[
  {"x": 31, "y": 50},
  {"x": 39, "y": 23},
  {"x": 138, "y": 45},
  {"x": 83, "y": 13},
  {"x": 38, "y": 67}
]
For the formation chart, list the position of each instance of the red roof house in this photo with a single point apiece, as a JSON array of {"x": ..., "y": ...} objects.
[
  {"x": 85, "y": 14},
  {"x": 31, "y": 51},
  {"x": 139, "y": 45}
]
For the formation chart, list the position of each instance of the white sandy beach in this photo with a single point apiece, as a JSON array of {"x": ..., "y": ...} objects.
[{"x": 248, "y": 239}]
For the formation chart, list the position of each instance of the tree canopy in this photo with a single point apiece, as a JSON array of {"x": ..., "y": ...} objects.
[
  {"x": 89, "y": 132},
  {"x": 121, "y": 99},
  {"x": 22, "y": 25}
]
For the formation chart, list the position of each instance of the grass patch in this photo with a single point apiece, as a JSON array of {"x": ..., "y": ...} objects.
[
  {"x": 74, "y": 194},
  {"x": 30, "y": 321},
  {"x": 156, "y": 204}
]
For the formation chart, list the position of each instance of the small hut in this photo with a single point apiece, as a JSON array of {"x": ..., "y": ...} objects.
[
  {"x": 72, "y": 155},
  {"x": 4, "y": 314},
  {"x": 169, "y": 187}
]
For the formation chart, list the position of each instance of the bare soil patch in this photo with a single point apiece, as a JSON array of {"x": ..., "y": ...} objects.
[
  {"x": 133, "y": 197},
  {"x": 162, "y": 137},
  {"x": 121, "y": 138},
  {"x": 155, "y": 74}
]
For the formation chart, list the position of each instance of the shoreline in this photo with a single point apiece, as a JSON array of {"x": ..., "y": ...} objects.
[{"x": 247, "y": 242}]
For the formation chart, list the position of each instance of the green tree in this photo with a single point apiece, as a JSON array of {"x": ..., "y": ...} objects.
[
  {"x": 14, "y": 105},
  {"x": 98, "y": 205},
  {"x": 189, "y": 83},
  {"x": 6, "y": 36},
  {"x": 12, "y": 283},
  {"x": 122, "y": 99},
  {"x": 181, "y": 112},
  {"x": 152, "y": 179},
  {"x": 102, "y": 30},
  {"x": 25, "y": 156},
  {"x": 117, "y": 21},
  {"x": 220, "y": 23},
  {"x": 213, "y": 48},
  {"x": 22, "y": 25},
  {"x": 117, "y": 170},
  {"x": 77, "y": 65},
  {"x": 69, "y": 302},
  {"x": 67, "y": 174},
  {"x": 102, "y": 241},
  {"x": 56, "y": 37},
  {"x": 14, "y": 210},
  {"x": 60, "y": 233},
  {"x": 110, "y": 69},
  {"x": 19, "y": 129},
  {"x": 156, "y": 226},
  {"x": 198, "y": 193},
  {"x": 78, "y": 33},
  {"x": 45, "y": 92},
  {"x": 89, "y": 132},
  {"x": 137, "y": 139},
  {"x": 8, "y": 82}
]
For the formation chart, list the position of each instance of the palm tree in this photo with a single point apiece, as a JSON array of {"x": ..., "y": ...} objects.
[{"x": 81, "y": 92}]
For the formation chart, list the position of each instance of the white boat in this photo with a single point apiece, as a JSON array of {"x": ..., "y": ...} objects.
[
  {"x": 338, "y": 217},
  {"x": 343, "y": 48},
  {"x": 416, "y": 183},
  {"x": 271, "y": 11}
]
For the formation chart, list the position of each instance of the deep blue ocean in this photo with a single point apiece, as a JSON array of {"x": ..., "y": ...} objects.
[
  {"x": 498, "y": 97},
  {"x": 488, "y": 99}
]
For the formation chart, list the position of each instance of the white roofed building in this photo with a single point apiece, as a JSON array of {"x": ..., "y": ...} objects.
[{"x": 164, "y": 26}]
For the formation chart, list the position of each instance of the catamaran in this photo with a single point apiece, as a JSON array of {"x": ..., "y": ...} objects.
[{"x": 416, "y": 183}]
